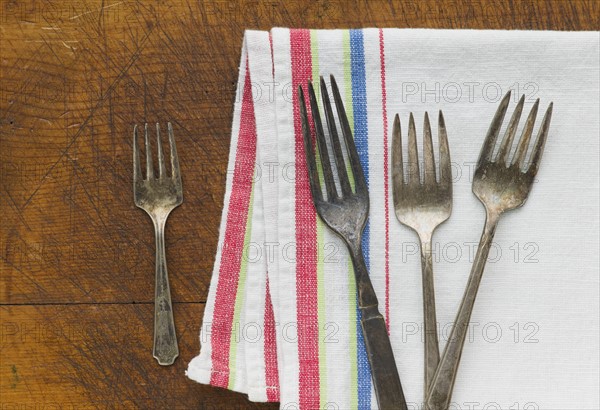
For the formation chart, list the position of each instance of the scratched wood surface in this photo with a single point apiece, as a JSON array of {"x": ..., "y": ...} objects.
[{"x": 77, "y": 264}]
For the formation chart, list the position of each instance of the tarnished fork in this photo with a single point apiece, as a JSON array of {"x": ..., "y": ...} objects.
[
  {"x": 158, "y": 196},
  {"x": 423, "y": 204},
  {"x": 501, "y": 184},
  {"x": 346, "y": 214}
]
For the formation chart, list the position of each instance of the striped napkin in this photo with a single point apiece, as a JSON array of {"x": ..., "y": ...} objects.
[{"x": 281, "y": 321}]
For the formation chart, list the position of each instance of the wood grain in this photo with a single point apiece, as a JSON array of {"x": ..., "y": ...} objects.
[
  {"x": 77, "y": 256},
  {"x": 97, "y": 356}
]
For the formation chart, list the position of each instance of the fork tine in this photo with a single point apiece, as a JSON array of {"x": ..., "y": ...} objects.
[
  {"x": 414, "y": 173},
  {"x": 490, "y": 140},
  {"x": 149, "y": 166},
  {"x": 311, "y": 164},
  {"x": 445, "y": 165},
  {"x": 137, "y": 167},
  {"x": 175, "y": 172},
  {"x": 509, "y": 135},
  {"x": 335, "y": 142},
  {"x": 521, "y": 152},
  {"x": 538, "y": 149},
  {"x": 359, "y": 177},
  {"x": 161, "y": 157},
  {"x": 429, "y": 177},
  {"x": 397, "y": 162},
  {"x": 322, "y": 144}
]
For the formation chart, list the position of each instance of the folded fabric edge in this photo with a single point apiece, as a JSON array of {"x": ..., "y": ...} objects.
[
  {"x": 262, "y": 369},
  {"x": 224, "y": 366},
  {"x": 213, "y": 365}
]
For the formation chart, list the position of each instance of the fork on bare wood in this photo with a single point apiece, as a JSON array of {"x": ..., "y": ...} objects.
[{"x": 158, "y": 195}]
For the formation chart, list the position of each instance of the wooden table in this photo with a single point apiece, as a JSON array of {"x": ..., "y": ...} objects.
[{"x": 77, "y": 270}]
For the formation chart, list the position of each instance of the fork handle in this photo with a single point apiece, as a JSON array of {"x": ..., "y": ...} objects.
[
  {"x": 386, "y": 380},
  {"x": 431, "y": 348},
  {"x": 165, "y": 339},
  {"x": 440, "y": 391}
]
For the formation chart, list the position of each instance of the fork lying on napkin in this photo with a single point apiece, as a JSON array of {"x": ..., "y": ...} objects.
[
  {"x": 345, "y": 210},
  {"x": 281, "y": 321}
]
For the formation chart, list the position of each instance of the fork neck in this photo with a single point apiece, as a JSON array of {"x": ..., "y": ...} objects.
[
  {"x": 159, "y": 220},
  {"x": 491, "y": 220},
  {"x": 159, "y": 234},
  {"x": 425, "y": 238},
  {"x": 355, "y": 246},
  {"x": 367, "y": 298}
]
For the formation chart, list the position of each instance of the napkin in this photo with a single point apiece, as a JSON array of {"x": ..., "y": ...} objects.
[{"x": 281, "y": 321}]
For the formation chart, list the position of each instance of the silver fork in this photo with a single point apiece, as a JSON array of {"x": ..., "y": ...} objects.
[
  {"x": 501, "y": 184},
  {"x": 346, "y": 214},
  {"x": 422, "y": 206},
  {"x": 158, "y": 196}
]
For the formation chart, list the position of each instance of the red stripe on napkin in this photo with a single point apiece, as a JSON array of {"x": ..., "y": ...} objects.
[
  {"x": 386, "y": 188},
  {"x": 306, "y": 238},
  {"x": 271, "y": 375},
  {"x": 231, "y": 255}
]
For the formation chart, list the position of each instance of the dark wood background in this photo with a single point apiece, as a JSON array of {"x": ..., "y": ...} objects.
[{"x": 77, "y": 269}]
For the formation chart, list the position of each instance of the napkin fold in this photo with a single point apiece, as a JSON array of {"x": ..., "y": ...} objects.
[{"x": 281, "y": 321}]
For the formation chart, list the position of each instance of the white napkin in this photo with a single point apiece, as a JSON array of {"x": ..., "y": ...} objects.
[{"x": 281, "y": 322}]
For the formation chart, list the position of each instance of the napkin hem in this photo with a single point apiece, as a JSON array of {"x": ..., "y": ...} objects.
[{"x": 203, "y": 375}]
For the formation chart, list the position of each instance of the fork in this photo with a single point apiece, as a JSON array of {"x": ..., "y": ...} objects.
[
  {"x": 501, "y": 184},
  {"x": 345, "y": 211},
  {"x": 158, "y": 196},
  {"x": 423, "y": 206}
]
